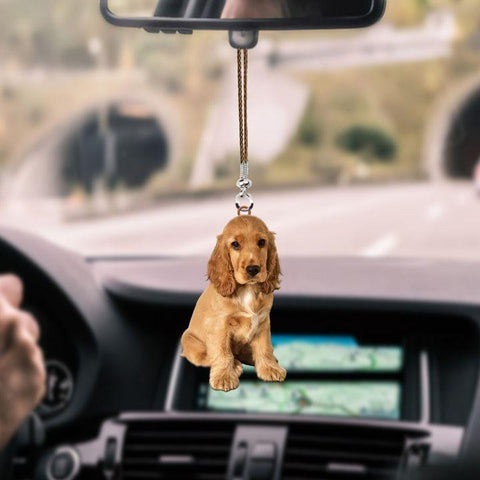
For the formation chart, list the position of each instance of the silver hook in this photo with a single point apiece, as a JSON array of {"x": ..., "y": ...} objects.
[{"x": 244, "y": 201}]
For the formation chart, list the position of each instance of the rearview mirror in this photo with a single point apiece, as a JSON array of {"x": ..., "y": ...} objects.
[{"x": 241, "y": 15}]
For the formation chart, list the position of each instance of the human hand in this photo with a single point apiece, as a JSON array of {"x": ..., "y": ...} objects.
[{"x": 22, "y": 370}]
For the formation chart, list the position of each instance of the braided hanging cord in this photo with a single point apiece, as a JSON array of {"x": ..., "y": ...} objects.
[
  {"x": 243, "y": 201},
  {"x": 242, "y": 65}
]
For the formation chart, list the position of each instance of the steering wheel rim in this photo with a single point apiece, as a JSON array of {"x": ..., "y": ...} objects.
[
  {"x": 6, "y": 458},
  {"x": 31, "y": 434}
]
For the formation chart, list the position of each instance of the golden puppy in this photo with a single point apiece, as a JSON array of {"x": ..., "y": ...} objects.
[{"x": 231, "y": 321}]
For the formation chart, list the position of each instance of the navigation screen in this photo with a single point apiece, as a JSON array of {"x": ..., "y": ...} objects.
[
  {"x": 320, "y": 353},
  {"x": 333, "y": 392},
  {"x": 377, "y": 399}
]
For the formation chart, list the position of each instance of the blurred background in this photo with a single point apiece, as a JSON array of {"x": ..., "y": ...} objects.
[{"x": 114, "y": 141}]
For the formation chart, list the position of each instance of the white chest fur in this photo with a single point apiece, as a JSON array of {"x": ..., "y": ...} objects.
[
  {"x": 246, "y": 299},
  {"x": 249, "y": 304}
]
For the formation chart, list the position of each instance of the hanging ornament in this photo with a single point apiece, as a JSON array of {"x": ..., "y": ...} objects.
[
  {"x": 243, "y": 201},
  {"x": 230, "y": 325}
]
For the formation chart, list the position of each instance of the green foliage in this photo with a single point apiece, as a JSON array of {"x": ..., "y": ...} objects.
[
  {"x": 371, "y": 143},
  {"x": 309, "y": 132}
]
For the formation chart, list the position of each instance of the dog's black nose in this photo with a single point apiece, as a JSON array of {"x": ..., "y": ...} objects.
[{"x": 252, "y": 270}]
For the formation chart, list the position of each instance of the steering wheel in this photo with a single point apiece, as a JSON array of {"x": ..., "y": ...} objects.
[
  {"x": 6, "y": 459},
  {"x": 30, "y": 435}
]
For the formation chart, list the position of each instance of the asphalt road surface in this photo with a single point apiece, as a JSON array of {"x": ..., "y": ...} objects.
[{"x": 410, "y": 220}]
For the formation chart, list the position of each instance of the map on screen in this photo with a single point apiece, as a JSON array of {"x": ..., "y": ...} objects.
[
  {"x": 369, "y": 398},
  {"x": 361, "y": 399},
  {"x": 319, "y": 353}
]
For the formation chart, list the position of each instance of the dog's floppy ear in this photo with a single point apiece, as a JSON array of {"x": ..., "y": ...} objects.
[
  {"x": 220, "y": 269},
  {"x": 272, "y": 282}
]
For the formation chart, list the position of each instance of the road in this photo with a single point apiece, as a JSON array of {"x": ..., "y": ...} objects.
[
  {"x": 410, "y": 220},
  {"x": 381, "y": 44},
  {"x": 271, "y": 66},
  {"x": 274, "y": 67}
]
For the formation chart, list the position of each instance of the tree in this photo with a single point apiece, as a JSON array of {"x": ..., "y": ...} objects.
[{"x": 371, "y": 143}]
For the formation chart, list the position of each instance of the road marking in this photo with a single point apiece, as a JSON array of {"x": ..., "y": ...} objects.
[
  {"x": 188, "y": 227},
  {"x": 383, "y": 246},
  {"x": 283, "y": 225},
  {"x": 435, "y": 211}
]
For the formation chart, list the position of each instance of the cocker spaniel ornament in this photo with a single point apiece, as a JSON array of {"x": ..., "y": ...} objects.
[{"x": 230, "y": 325}]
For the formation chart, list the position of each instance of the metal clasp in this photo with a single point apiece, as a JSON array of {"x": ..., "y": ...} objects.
[{"x": 244, "y": 201}]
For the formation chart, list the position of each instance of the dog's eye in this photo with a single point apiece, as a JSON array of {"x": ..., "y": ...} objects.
[
  {"x": 235, "y": 245},
  {"x": 261, "y": 243}
]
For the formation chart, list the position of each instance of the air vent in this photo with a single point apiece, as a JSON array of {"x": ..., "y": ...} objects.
[
  {"x": 177, "y": 450},
  {"x": 324, "y": 453}
]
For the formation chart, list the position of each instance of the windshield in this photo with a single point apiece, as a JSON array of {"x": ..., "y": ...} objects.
[{"x": 362, "y": 143}]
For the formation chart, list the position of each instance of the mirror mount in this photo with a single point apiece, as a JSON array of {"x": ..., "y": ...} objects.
[{"x": 240, "y": 39}]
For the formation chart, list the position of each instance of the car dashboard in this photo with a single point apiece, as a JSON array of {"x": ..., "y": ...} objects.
[{"x": 382, "y": 360}]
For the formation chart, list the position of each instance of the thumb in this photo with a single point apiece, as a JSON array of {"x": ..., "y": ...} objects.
[{"x": 11, "y": 289}]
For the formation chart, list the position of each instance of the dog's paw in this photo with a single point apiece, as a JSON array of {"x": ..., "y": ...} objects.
[
  {"x": 271, "y": 372},
  {"x": 238, "y": 367},
  {"x": 225, "y": 380}
]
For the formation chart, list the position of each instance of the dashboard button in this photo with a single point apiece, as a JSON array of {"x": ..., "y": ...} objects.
[
  {"x": 264, "y": 451},
  {"x": 110, "y": 454},
  {"x": 63, "y": 465},
  {"x": 262, "y": 461},
  {"x": 239, "y": 460}
]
